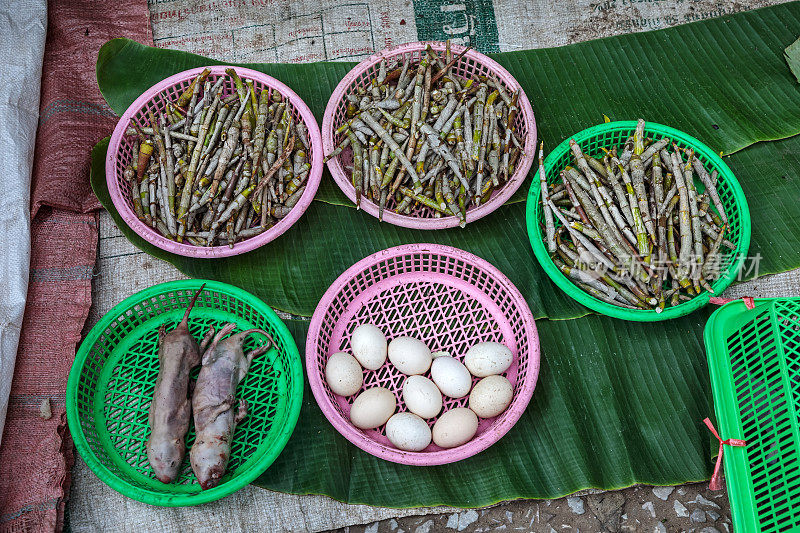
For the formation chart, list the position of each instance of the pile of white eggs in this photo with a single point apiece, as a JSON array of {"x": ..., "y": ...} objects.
[{"x": 423, "y": 397}]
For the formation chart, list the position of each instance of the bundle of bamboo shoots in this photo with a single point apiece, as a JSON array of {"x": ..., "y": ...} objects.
[
  {"x": 421, "y": 135},
  {"x": 214, "y": 169},
  {"x": 634, "y": 230}
]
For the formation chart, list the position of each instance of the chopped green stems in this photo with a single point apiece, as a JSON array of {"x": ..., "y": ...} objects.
[
  {"x": 627, "y": 151},
  {"x": 588, "y": 279},
  {"x": 442, "y": 151},
  {"x": 574, "y": 199},
  {"x": 449, "y": 65},
  {"x": 145, "y": 151},
  {"x": 448, "y": 140},
  {"x": 209, "y": 144},
  {"x": 231, "y": 141},
  {"x": 637, "y": 178},
  {"x": 597, "y": 166},
  {"x": 269, "y": 172},
  {"x": 674, "y": 254},
  {"x": 586, "y": 230},
  {"x": 585, "y": 241},
  {"x": 638, "y": 138},
  {"x": 233, "y": 207},
  {"x": 653, "y": 149},
  {"x": 638, "y": 222},
  {"x": 684, "y": 217},
  {"x": 601, "y": 295},
  {"x": 173, "y": 134},
  {"x": 658, "y": 180},
  {"x": 711, "y": 187},
  {"x": 358, "y": 167},
  {"x": 393, "y": 146},
  {"x": 481, "y": 147},
  {"x": 478, "y": 122},
  {"x": 619, "y": 192},
  {"x": 714, "y": 234},
  {"x": 424, "y": 200},
  {"x": 189, "y": 92},
  {"x": 697, "y": 237},
  {"x": 711, "y": 265},
  {"x": 550, "y": 229},
  {"x": 668, "y": 198}
]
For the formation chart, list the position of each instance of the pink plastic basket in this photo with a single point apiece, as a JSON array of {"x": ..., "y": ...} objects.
[
  {"x": 444, "y": 296},
  {"x": 472, "y": 64},
  {"x": 120, "y": 154}
]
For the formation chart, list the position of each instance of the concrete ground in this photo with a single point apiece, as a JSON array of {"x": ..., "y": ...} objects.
[{"x": 691, "y": 508}]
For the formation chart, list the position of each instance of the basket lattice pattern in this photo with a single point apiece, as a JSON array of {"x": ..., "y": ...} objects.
[{"x": 765, "y": 363}]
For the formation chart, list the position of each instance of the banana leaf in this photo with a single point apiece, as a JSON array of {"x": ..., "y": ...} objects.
[
  {"x": 701, "y": 93},
  {"x": 722, "y": 80},
  {"x": 792, "y": 56},
  {"x": 311, "y": 256},
  {"x": 617, "y": 403},
  {"x": 609, "y": 411}
]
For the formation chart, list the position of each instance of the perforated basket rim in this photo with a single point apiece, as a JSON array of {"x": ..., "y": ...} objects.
[
  {"x": 243, "y": 477},
  {"x": 726, "y": 408},
  {"x": 476, "y": 445},
  {"x": 211, "y": 252},
  {"x": 639, "y": 315},
  {"x": 474, "y": 213}
]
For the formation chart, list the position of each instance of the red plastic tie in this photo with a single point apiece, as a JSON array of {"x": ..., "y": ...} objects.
[
  {"x": 749, "y": 301},
  {"x": 716, "y": 477}
]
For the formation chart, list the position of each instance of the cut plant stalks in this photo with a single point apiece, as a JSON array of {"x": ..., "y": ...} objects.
[
  {"x": 639, "y": 227},
  {"x": 441, "y": 133},
  {"x": 214, "y": 170}
]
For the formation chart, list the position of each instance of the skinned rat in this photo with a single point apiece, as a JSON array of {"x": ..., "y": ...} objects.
[
  {"x": 170, "y": 410},
  {"x": 216, "y": 411}
]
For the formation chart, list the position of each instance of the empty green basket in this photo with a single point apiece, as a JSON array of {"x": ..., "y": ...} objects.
[
  {"x": 111, "y": 385},
  {"x": 754, "y": 362}
]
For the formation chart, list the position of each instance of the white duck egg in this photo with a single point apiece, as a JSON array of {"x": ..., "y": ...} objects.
[
  {"x": 451, "y": 376},
  {"x": 491, "y": 396},
  {"x": 422, "y": 397},
  {"x": 408, "y": 432},
  {"x": 368, "y": 344},
  {"x": 455, "y": 427},
  {"x": 343, "y": 374},
  {"x": 372, "y": 408},
  {"x": 409, "y": 355},
  {"x": 488, "y": 358}
]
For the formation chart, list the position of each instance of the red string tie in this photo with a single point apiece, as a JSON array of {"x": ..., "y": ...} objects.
[
  {"x": 749, "y": 301},
  {"x": 716, "y": 477}
]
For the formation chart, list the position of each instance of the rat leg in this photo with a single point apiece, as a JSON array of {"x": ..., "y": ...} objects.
[
  {"x": 227, "y": 328},
  {"x": 241, "y": 412},
  {"x": 206, "y": 339},
  {"x": 217, "y": 410},
  {"x": 258, "y": 351},
  {"x": 161, "y": 332}
]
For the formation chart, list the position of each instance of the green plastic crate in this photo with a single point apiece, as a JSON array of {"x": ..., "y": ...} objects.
[
  {"x": 754, "y": 362},
  {"x": 113, "y": 377}
]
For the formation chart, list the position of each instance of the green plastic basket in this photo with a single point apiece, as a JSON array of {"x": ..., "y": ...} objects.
[
  {"x": 111, "y": 385},
  {"x": 754, "y": 362},
  {"x": 609, "y": 135}
]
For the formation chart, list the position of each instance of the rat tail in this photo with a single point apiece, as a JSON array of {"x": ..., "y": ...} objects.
[{"x": 185, "y": 320}]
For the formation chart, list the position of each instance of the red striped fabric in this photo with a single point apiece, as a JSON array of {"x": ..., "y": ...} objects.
[{"x": 36, "y": 454}]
